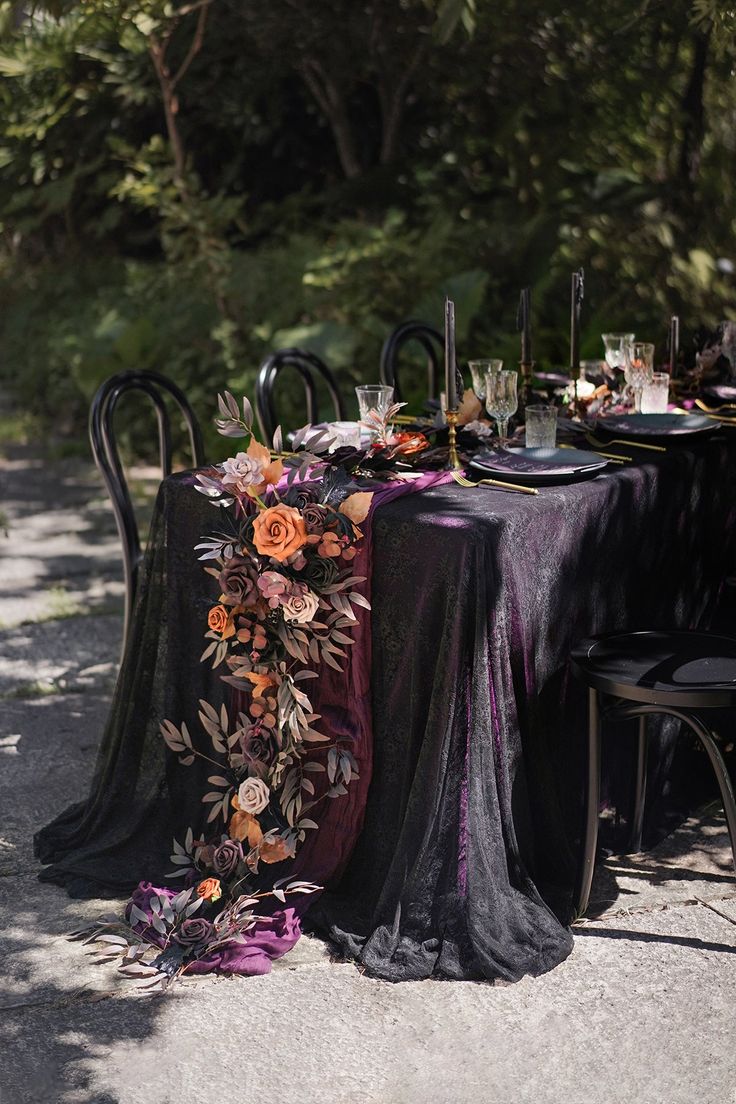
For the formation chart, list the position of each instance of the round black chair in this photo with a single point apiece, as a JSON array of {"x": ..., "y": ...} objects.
[
  {"x": 680, "y": 674},
  {"x": 419, "y": 333},
  {"x": 107, "y": 458},
  {"x": 309, "y": 367}
]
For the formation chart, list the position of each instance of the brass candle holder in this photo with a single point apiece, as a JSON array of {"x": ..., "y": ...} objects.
[{"x": 453, "y": 460}]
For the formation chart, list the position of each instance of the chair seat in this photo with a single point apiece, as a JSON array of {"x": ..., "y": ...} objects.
[{"x": 683, "y": 669}]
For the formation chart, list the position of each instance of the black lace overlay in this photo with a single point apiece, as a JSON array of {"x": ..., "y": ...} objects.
[{"x": 466, "y": 862}]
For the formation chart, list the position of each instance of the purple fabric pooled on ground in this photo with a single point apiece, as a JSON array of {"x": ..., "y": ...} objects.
[{"x": 271, "y": 937}]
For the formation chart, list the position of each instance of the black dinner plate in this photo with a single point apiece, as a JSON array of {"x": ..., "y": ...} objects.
[
  {"x": 538, "y": 466},
  {"x": 720, "y": 392},
  {"x": 656, "y": 425}
]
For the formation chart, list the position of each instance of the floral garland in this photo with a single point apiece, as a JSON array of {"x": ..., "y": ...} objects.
[{"x": 287, "y": 604}]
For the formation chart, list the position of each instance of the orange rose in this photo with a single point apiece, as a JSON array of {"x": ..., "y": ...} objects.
[
  {"x": 210, "y": 889},
  {"x": 407, "y": 444},
  {"x": 220, "y": 621},
  {"x": 279, "y": 532}
]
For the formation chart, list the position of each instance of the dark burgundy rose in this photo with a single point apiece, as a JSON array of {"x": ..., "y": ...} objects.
[
  {"x": 193, "y": 931},
  {"x": 237, "y": 580},
  {"x": 319, "y": 572},
  {"x": 256, "y": 745},
  {"x": 302, "y": 497},
  {"x": 314, "y": 518},
  {"x": 226, "y": 858}
]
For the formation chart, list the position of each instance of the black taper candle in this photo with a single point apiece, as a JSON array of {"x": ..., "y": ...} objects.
[
  {"x": 674, "y": 344},
  {"x": 523, "y": 324},
  {"x": 576, "y": 299},
  {"x": 450, "y": 369}
]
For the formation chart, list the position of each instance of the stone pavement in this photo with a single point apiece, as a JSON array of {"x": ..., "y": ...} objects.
[{"x": 643, "y": 1010}]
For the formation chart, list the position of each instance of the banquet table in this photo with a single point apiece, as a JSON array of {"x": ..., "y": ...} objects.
[{"x": 465, "y": 864}]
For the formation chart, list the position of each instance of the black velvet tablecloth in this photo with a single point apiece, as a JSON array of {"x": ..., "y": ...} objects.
[{"x": 466, "y": 863}]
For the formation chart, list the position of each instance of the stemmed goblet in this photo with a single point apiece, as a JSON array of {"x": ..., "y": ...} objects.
[
  {"x": 479, "y": 369},
  {"x": 501, "y": 400},
  {"x": 615, "y": 349},
  {"x": 639, "y": 367}
]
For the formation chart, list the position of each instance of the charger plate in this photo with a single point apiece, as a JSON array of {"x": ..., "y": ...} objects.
[{"x": 538, "y": 466}]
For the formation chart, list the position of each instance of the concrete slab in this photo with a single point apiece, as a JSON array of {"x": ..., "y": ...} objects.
[
  {"x": 694, "y": 862},
  {"x": 619, "y": 1021},
  {"x": 76, "y": 653},
  {"x": 59, "y": 548},
  {"x": 48, "y": 747}
]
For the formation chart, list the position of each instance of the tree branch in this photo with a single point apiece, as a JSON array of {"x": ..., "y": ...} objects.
[
  {"x": 393, "y": 101},
  {"x": 196, "y": 43},
  {"x": 332, "y": 103}
]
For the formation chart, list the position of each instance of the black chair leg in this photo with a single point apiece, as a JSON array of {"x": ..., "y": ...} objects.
[
  {"x": 721, "y": 772},
  {"x": 637, "y": 820},
  {"x": 592, "y": 806}
]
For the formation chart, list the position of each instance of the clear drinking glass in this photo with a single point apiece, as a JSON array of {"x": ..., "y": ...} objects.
[
  {"x": 479, "y": 369},
  {"x": 541, "y": 425},
  {"x": 374, "y": 396},
  {"x": 655, "y": 394},
  {"x": 638, "y": 367},
  {"x": 615, "y": 346},
  {"x": 344, "y": 435},
  {"x": 727, "y": 332},
  {"x": 501, "y": 399}
]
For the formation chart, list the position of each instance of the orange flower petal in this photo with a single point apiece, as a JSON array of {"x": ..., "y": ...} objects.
[{"x": 257, "y": 451}]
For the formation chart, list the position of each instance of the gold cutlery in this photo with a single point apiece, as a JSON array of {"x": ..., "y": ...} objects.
[
  {"x": 493, "y": 483},
  {"x": 722, "y": 421},
  {"x": 620, "y": 441},
  {"x": 608, "y": 455},
  {"x": 714, "y": 409},
  {"x": 411, "y": 419}
]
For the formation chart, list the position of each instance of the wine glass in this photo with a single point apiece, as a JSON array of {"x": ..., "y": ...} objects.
[
  {"x": 374, "y": 402},
  {"x": 479, "y": 369},
  {"x": 615, "y": 346},
  {"x": 638, "y": 368},
  {"x": 501, "y": 400}
]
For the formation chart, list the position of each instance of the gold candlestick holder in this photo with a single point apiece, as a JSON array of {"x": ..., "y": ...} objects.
[{"x": 453, "y": 460}]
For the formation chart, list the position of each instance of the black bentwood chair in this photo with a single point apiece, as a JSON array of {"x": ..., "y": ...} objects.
[
  {"x": 680, "y": 674},
  {"x": 107, "y": 458},
  {"x": 419, "y": 333},
  {"x": 309, "y": 367}
]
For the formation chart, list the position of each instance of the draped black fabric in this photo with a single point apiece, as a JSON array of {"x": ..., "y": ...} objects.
[{"x": 466, "y": 862}]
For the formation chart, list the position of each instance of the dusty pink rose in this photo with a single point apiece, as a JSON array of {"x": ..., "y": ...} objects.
[
  {"x": 301, "y": 606},
  {"x": 243, "y": 472},
  {"x": 253, "y": 796},
  {"x": 252, "y": 471}
]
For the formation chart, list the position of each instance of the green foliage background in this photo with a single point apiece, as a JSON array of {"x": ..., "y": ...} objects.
[{"x": 335, "y": 166}]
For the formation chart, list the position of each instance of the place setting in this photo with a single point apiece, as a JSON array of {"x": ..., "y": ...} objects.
[{"x": 518, "y": 430}]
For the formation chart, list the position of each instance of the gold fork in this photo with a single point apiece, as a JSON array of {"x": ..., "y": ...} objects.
[
  {"x": 714, "y": 409},
  {"x": 608, "y": 455},
  {"x": 619, "y": 441},
  {"x": 493, "y": 483}
]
